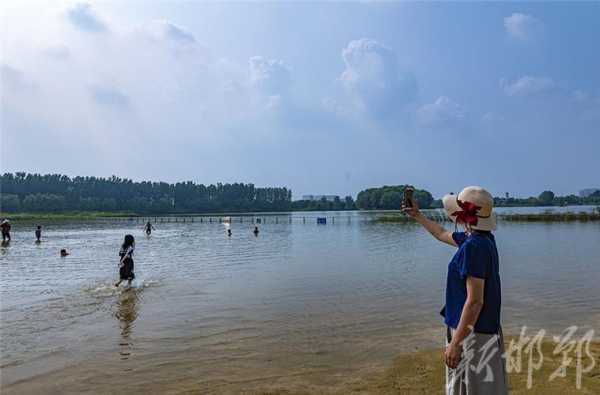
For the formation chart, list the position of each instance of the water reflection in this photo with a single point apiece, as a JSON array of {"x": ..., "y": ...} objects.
[{"x": 127, "y": 312}]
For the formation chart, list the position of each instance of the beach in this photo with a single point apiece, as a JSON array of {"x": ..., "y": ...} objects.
[{"x": 419, "y": 372}]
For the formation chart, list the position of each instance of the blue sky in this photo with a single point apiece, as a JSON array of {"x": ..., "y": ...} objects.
[{"x": 323, "y": 98}]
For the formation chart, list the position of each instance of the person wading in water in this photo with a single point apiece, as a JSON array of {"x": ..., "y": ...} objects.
[
  {"x": 5, "y": 225},
  {"x": 126, "y": 262},
  {"x": 473, "y": 296},
  {"x": 149, "y": 228}
]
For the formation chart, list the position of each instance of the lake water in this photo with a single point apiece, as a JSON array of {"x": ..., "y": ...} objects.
[{"x": 301, "y": 303}]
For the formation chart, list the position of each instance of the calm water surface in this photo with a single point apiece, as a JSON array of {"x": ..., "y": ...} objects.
[{"x": 345, "y": 295}]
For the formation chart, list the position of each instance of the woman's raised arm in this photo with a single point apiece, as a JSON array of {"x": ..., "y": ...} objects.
[{"x": 436, "y": 230}]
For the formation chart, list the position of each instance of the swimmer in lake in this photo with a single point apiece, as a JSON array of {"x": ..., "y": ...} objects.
[
  {"x": 64, "y": 253},
  {"x": 256, "y": 231},
  {"x": 126, "y": 262},
  {"x": 38, "y": 234},
  {"x": 229, "y": 232},
  {"x": 148, "y": 227}
]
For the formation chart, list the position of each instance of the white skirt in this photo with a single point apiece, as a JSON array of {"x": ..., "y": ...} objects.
[{"x": 482, "y": 369}]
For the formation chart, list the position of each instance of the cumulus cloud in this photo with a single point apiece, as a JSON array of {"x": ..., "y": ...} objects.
[
  {"x": 155, "y": 79},
  {"x": 522, "y": 27},
  {"x": 269, "y": 81},
  {"x": 83, "y": 17},
  {"x": 442, "y": 112},
  {"x": 373, "y": 79},
  {"x": 527, "y": 85},
  {"x": 269, "y": 76}
]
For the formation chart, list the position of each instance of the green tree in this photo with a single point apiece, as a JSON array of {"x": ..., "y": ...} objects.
[
  {"x": 9, "y": 203},
  {"x": 390, "y": 197},
  {"x": 546, "y": 198},
  {"x": 390, "y": 200}
]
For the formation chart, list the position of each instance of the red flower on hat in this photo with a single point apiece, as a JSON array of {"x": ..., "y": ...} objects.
[{"x": 468, "y": 214}]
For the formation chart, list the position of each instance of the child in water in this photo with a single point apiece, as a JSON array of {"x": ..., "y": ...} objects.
[
  {"x": 64, "y": 253},
  {"x": 256, "y": 231},
  {"x": 229, "y": 232},
  {"x": 38, "y": 233},
  {"x": 126, "y": 262}
]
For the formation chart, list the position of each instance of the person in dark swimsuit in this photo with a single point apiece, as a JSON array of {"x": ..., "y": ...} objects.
[
  {"x": 148, "y": 227},
  {"x": 229, "y": 232},
  {"x": 126, "y": 262},
  {"x": 5, "y": 230},
  {"x": 38, "y": 233},
  {"x": 256, "y": 231}
]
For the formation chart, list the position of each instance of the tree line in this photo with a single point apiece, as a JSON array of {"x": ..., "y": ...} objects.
[
  {"x": 25, "y": 192},
  {"x": 54, "y": 193},
  {"x": 548, "y": 198},
  {"x": 323, "y": 204},
  {"x": 390, "y": 198}
]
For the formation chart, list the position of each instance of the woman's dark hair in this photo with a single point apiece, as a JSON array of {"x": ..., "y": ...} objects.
[{"x": 129, "y": 240}]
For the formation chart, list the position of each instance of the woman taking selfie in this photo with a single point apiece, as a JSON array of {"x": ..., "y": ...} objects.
[{"x": 474, "y": 349}]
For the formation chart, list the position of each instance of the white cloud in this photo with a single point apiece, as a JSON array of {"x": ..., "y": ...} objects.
[
  {"x": 83, "y": 17},
  {"x": 373, "y": 79},
  {"x": 269, "y": 76},
  {"x": 442, "y": 112},
  {"x": 152, "y": 80},
  {"x": 527, "y": 85},
  {"x": 522, "y": 27},
  {"x": 269, "y": 83}
]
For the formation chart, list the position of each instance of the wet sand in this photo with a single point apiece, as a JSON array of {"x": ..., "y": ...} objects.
[{"x": 419, "y": 372}]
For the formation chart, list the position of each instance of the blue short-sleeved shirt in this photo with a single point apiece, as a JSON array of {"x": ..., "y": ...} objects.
[{"x": 477, "y": 256}]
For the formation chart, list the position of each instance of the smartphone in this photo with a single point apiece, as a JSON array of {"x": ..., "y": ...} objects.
[{"x": 408, "y": 196}]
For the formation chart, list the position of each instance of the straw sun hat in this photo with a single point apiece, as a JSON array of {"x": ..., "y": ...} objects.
[{"x": 474, "y": 207}]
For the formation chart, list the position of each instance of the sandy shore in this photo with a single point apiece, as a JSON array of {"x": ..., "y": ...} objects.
[{"x": 420, "y": 372}]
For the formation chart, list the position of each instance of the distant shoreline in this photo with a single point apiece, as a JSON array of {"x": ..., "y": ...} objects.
[
  {"x": 391, "y": 217},
  {"x": 512, "y": 217}
]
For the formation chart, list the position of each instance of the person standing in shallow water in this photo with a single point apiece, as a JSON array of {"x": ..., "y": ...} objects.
[
  {"x": 473, "y": 295},
  {"x": 38, "y": 234},
  {"x": 126, "y": 262},
  {"x": 5, "y": 225},
  {"x": 148, "y": 227},
  {"x": 256, "y": 231}
]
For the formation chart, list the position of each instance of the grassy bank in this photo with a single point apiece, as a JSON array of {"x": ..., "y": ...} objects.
[
  {"x": 73, "y": 215},
  {"x": 552, "y": 217},
  {"x": 532, "y": 217}
]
